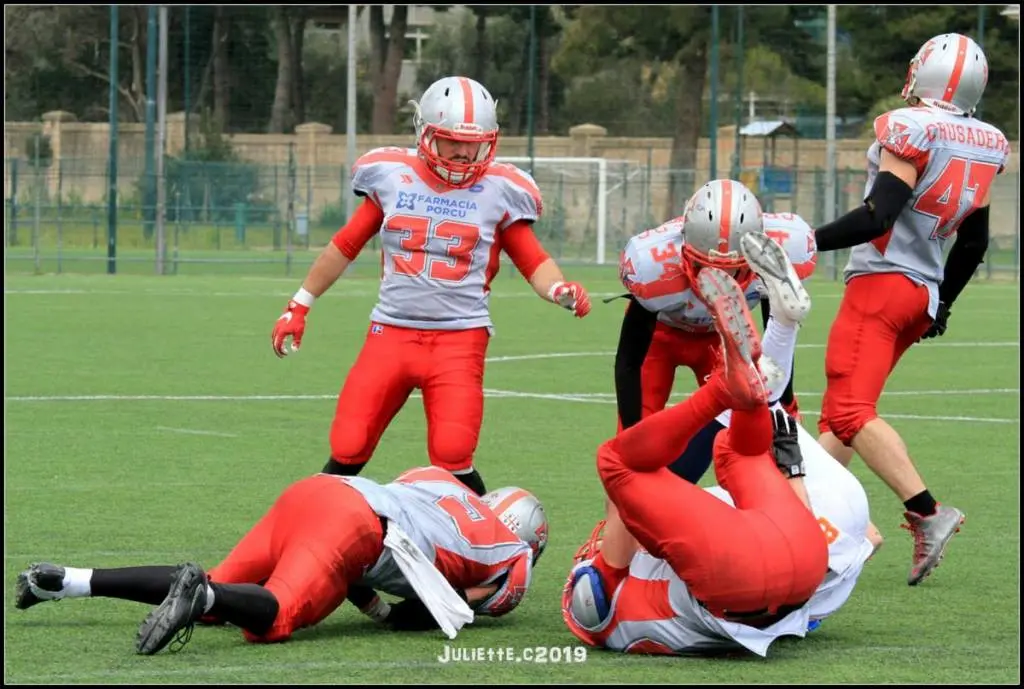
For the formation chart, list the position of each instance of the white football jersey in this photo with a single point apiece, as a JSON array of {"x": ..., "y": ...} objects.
[
  {"x": 650, "y": 269},
  {"x": 957, "y": 158},
  {"x": 796, "y": 238},
  {"x": 839, "y": 502},
  {"x": 440, "y": 245},
  {"x": 653, "y": 612},
  {"x": 464, "y": 539}
]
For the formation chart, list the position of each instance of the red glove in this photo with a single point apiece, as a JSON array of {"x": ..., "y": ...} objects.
[
  {"x": 572, "y": 296},
  {"x": 292, "y": 323}
]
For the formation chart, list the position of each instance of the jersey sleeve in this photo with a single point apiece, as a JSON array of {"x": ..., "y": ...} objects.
[
  {"x": 904, "y": 135},
  {"x": 797, "y": 239},
  {"x": 372, "y": 168},
  {"x": 650, "y": 269},
  {"x": 514, "y": 584},
  {"x": 520, "y": 195}
]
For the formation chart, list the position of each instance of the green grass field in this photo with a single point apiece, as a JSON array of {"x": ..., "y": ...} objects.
[{"x": 199, "y": 427}]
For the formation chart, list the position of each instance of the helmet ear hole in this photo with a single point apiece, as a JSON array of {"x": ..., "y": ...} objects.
[{"x": 742, "y": 215}]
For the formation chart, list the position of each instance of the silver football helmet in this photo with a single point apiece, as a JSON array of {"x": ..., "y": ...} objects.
[
  {"x": 523, "y": 514},
  {"x": 949, "y": 72},
  {"x": 460, "y": 110},
  {"x": 716, "y": 216}
]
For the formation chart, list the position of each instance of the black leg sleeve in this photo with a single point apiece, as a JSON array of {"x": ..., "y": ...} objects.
[{"x": 140, "y": 584}]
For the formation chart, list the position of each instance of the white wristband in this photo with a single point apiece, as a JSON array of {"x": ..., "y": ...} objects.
[
  {"x": 552, "y": 290},
  {"x": 304, "y": 297},
  {"x": 378, "y": 610}
]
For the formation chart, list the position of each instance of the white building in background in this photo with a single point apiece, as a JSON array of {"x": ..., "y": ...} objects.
[{"x": 1012, "y": 11}]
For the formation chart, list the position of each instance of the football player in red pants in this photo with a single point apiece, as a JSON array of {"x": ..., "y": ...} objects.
[
  {"x": 755, "y": 563},
  {"x": 328, "y": 539},
  {"x": 930, "y": 173},
  {"x": 444, "y": 212}
]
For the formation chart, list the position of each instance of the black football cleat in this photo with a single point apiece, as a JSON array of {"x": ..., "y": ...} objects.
[{"x": 176, "y": 616}]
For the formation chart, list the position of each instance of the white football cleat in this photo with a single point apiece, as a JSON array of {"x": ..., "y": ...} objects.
[{"x": 789, "y": 301}]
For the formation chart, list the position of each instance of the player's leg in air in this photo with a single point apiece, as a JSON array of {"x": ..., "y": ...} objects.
[
  {"x": 733, "y": 560},
  {"x": 374, "y": 391},
  {"x": 789, "y": 304},
  {"x": 453, "y": 400}
]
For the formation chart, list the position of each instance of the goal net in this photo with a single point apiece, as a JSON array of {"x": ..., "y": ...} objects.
[{"x": 591, "y": 205}]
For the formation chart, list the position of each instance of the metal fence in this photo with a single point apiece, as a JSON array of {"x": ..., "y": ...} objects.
[{"x": 247, "y": 218}]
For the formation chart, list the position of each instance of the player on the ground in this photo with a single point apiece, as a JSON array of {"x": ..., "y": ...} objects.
[
  {"x": 425, "y": 537},
  {"x": 650, "y": 612},
  {"x": 444, "y": 212},
  {"x": 744, "y": 574},
  {"x": 930, "y": 173}
]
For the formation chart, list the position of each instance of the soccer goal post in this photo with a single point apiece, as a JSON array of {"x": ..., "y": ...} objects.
[{"x": 582, "y": 198}]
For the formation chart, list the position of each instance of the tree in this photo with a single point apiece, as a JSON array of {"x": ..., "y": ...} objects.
[
  {"x": 289, "y": 107},
  {"x": 49, "y": 47},
  {"x": 672, "y": 36},
  {"x": 884, "y": 38},
  {"x": 387, "y": 49}
]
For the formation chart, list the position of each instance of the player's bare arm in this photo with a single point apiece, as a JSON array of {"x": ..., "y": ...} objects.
[
  {"x": 892, "y": 189},
  {"x": 328, "y": 267},
  {"x": 541, "y": 271}
]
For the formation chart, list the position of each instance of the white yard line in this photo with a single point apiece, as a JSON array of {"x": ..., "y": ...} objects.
[{"x": 584, "y": 398}]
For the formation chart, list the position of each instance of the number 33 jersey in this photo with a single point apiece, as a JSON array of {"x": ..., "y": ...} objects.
[
  {"x": 649, "y": 268},
  {"x": 440, "y": 246},
  {"x": 463, "y": 537}
]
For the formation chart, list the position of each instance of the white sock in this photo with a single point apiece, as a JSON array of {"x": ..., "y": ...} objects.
[
  {"x": 77, "y": 582},
  {"x": 209, "y": 599},
  {"x": 779, "y": 344}
]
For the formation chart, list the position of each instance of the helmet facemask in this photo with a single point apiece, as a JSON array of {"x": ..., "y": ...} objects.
[{"x": 455, "y": 173}]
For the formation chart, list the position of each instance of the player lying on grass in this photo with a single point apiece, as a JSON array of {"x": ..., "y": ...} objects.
[
  {"x": 714, "y": 577},
  {"x": 425, "y": 537}
]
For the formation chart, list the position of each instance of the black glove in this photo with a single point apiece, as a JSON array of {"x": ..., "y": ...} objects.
[
  {"x": 938, "y": 326},
  {"x": 411, "y": 615},
  {"x": 785, "y": 445}
]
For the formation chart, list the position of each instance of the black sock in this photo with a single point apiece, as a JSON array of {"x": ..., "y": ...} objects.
[
  {"x": 140, "y": 584},
  {"x": 473, "y": 481},
  {"x": 787, "y": 394},
  {"x": 336, "y": 468},
  {"x": 248, "y": 606},
  {"x": 923, "y": 504},
  {"x": 360, "y": 596}
]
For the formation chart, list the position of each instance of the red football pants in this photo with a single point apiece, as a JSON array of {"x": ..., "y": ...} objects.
[
  {"x": 671, "y": 348},
  {"x": 766, "y": 552},
  {"x": 447, "y": 365},
  {"x": 879, "y": 318},
  {"x": 316, "y": 539}
]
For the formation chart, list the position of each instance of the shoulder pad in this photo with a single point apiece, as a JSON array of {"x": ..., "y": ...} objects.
[
  {"x": 650, "y": 267},
  {"x": 905, "y": 133},
  {"x": 520, "y": 194}
]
